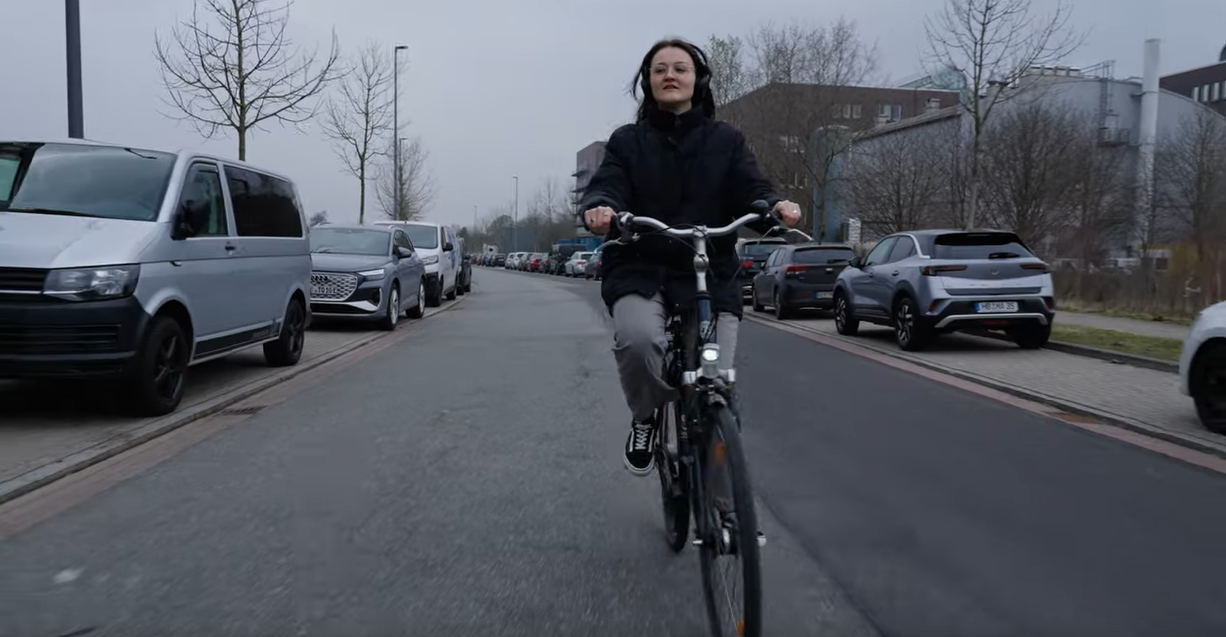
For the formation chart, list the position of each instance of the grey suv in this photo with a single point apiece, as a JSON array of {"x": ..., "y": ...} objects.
[{"x": 927, "y": 282}]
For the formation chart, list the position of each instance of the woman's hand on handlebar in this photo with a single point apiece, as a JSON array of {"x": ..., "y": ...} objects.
[
  {"x": 599, "y": 219},
  {"x": 789, "y": 213}
]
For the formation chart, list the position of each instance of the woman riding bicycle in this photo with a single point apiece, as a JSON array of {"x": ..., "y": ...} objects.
[{"x": 676, "y": 163}]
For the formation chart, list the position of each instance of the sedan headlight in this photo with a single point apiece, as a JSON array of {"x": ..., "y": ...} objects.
[
  {"x": 373, "y": 275},
  {"x": 430, "y": 260},
  {"x": 89, "y": 284}
]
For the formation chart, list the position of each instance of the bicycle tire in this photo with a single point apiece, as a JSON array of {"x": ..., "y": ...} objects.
[
  {"x": 723, "y": 428},
  {"x": 674, "y": 495}
]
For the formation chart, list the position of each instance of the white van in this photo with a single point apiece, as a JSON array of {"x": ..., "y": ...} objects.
[
  {"x": 130, "y": 265},
  {"x": 436, "y": 243}
]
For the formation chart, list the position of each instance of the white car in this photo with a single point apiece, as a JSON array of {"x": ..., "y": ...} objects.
[
  {"x": 1202, "y": 367},
  {"x": 438, "y": 247}
]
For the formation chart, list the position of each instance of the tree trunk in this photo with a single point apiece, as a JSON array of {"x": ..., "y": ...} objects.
[
  {"x": 361, "y": 192},
  {"x": 242, "y": 144}
]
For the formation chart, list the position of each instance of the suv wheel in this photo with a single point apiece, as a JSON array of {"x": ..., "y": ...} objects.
[
  {"x": 844, "y": 322},
  {"x": 909, "y": 333}
]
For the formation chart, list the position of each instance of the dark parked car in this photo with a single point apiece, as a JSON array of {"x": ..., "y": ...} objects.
[
  {"x": 753, "y": 253},
  {"x": 464, "y": 283},
  {"x": 799, "y": 276}
]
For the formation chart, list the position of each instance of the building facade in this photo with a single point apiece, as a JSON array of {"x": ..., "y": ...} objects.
[
  {"x": 587, "y": 160},
  {"x": 1107, "y": 108},
  {"x": 796, "y": 131},
  {"x": 1206, "y": 84}
]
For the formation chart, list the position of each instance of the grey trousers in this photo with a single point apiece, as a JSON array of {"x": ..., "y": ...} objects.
[{"x": 640, "y": 340}]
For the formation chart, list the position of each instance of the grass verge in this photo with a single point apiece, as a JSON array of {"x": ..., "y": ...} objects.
[{"x": 1166, "y": 349}]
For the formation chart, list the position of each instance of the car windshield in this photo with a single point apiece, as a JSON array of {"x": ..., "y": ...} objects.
[
  {"x": 822, "y": 256},
  {"x": 350, "y": 241},
  {"x": 761, "y": 248},
  {"x": 83, "y": 181},
  {"x": 979, "y": 245},
  {"x": 422, "y": 236}
]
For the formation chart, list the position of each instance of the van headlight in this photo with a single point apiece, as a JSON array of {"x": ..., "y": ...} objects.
[
  {"x": 430, "y": 260},
  {"x": 88, "y": 284}
]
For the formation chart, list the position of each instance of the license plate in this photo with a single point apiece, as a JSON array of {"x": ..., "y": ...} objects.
[
  {"x": 825, "y": 295},
  {"x": 996, "y": 306}
]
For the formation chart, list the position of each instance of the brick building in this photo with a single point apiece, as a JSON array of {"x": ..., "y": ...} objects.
[
  {"x": 795, "y": 130},
  {"x": 1206, "y": 84}
]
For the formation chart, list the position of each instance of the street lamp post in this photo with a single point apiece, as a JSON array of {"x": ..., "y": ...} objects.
[
  {"x": 515, "y": 223},
  {"x": 76, "y": 109},
  {"x": 396, "y": 126}
]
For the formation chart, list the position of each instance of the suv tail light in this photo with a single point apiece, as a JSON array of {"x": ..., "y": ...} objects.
[
  {"x": 936, "y": 270},
  {"x": 1041, "y": 267},
  {"x": 746, "y": 264}
]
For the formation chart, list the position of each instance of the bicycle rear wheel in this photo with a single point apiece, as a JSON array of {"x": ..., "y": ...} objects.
[{"x": 730, "y": 556}]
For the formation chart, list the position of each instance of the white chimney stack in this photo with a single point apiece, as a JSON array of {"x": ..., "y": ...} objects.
[{"x": 1148, "y": 129}]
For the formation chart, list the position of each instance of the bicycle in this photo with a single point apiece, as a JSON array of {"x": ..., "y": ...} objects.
[{"x": 701, "y": 435}]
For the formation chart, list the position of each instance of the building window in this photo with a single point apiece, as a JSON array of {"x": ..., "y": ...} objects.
[
  {"x": 1196, "y": 93},
  {"x": 934, "y": 103},
  {"x": 883, "y": 110},
  {"x": 847, "y": 111},
  {"x": 855, "y": 111},
  {"x": 897, "y": 112}
]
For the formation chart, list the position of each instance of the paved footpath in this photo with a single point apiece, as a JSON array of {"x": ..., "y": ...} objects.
[
  {"x": 49, "y": 428},
  {"x": 1141, "y": 399}
]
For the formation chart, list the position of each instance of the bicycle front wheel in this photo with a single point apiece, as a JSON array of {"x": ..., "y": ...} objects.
[{"x": 730, "y": 556}]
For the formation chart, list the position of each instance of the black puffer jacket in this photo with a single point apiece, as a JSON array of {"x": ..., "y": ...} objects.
[{"x": 679, "y": 169}]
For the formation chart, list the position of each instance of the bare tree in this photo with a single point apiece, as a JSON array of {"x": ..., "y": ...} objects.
[
  {"x": 894, "y": 183},
  {"x": 1027, "y": 182},
  {"x": 797, "y": 128},
  {"x": 995, "y": 43},
  {"x": 319, "y": 218},
  {"x": 416, "y": 185},
  {"x": 730, "y": 77},
  {"x": 1191, "y": 169},
  {"x": 1100, "y": 199},
  {"x": 357, "y": 117},
  {"x": 243, "y": 72}
]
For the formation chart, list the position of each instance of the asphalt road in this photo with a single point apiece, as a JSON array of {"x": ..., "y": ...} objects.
[{"x": 467, "y": 481}]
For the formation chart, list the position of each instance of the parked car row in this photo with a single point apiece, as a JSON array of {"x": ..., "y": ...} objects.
[
  {"x": 128, "y": 266},
  {"x": 578, "y": 263},
  {"x": 921, "y": 283}
]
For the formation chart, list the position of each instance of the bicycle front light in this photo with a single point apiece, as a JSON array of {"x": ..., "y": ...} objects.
[{"x": 710, "y": 361}]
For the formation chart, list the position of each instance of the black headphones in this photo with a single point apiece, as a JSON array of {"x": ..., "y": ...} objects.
[{"x": 702, "y": 69}]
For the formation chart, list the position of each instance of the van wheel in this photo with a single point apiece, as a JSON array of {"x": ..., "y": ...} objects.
[
  {"x": 287, "y": 349},
  {"x": 159, "y": 372},
  {"x": 392, "y": 317},
  {"x": 419, "y": 309}
]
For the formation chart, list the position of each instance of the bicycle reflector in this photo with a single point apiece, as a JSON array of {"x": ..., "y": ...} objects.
[{"x": 710, "y": 361}]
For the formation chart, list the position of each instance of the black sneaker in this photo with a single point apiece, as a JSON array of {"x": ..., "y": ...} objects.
[{"x": 640, "y": 448}]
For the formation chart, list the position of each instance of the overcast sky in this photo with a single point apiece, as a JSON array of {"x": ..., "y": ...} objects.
[{"x": 494, "y": 88}]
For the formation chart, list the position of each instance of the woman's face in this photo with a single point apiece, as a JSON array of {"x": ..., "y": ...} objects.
[{"x": 672, "y": 79}]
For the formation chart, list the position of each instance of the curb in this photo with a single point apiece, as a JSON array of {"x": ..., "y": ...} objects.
[
  {"x": 1136, "y": 360},
  {"x": 1066, "y": 405},
  {"x": 18, "y": 486}
]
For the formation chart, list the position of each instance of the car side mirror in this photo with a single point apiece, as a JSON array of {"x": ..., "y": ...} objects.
[
  {"x": 403, "y": 252},
  {"x": 448, "y": 247},
  {"x": 192, "y": 218},
  {"x": 855, "y": 262}
]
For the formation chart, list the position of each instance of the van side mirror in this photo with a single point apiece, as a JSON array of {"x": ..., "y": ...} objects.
[
  {"x": 448, "y": 247},
  {"x": 192, "y": 218}
]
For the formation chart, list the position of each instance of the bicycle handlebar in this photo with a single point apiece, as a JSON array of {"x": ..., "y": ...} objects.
[{"x": 626, "y": 219}]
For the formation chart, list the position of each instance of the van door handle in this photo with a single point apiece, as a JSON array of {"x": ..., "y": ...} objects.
[
  {"x": 895, "y": 273},
  {"x": 230, "y": 247}
]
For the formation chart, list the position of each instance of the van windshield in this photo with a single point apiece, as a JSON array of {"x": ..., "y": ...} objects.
[
  {"x": 83, "y": 181},
  {"x": 425, "y": 237}
]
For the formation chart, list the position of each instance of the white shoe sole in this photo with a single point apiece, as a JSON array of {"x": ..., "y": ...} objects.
[{"x": 651, "y": 466}]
